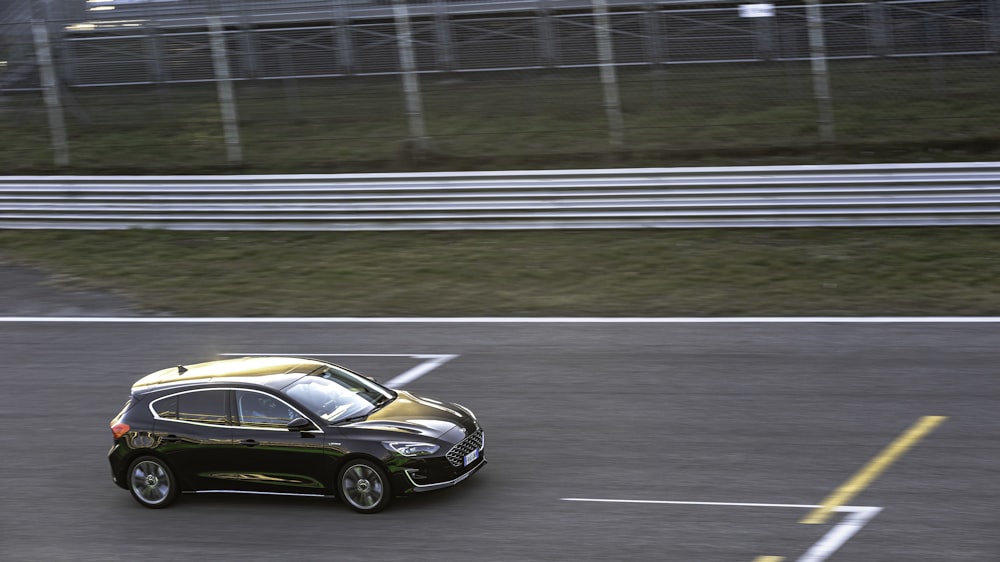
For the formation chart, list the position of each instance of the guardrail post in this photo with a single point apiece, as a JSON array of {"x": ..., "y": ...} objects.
[
  {"x": 609, "y": 80},
  {"x": 224, "y": 86},
  {"x": 411, "y": 84},
  {"x": 50, "y": 92},
  {"x": 821, "y": 77}
]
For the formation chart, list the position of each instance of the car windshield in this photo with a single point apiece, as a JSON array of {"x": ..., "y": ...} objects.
[{"x": 336, "y": 394}]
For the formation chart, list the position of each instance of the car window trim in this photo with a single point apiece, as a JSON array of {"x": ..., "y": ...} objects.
[{"x": 156, "y": 416}]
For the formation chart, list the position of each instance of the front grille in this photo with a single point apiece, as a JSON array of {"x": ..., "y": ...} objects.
[{"x": 456, "y": 456}]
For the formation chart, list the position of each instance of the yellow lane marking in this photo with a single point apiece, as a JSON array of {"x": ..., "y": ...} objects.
[
  {"x": 873, "y": 469},
  {"x": 769, "y": 559}
]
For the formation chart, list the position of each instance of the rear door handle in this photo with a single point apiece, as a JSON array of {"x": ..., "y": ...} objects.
[
  {"x": 249, "y": 442},
  {"x": 170, "y": 439}
]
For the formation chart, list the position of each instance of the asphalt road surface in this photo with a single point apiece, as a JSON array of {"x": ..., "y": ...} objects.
[{"x": 719, "y": 436}]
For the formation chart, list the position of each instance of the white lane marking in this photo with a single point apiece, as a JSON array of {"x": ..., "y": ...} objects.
[
  {"x": 670, "y": 502},
  {"x": 431, "y": 362},
  {"x": 828, "y": 544},
  {"x": 418, "y": 355},
  {"x": 841, "y": 533},
  {"x": 511, "y": 320}
]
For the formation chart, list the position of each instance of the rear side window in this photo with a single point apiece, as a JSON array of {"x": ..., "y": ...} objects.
[
  {"x": 166, "y": 407},
  {"x": 202, "y": 406}
]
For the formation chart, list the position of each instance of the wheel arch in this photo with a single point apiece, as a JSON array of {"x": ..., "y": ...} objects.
[{"x": 137, "y": 453}]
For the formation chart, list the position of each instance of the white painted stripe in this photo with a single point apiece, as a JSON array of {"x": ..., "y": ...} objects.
[
  {"x": 287, "y": 354},
  {"x": 670, "y": 502},
  {"x": 840, "y": 534},
  {"x": 504, "y": 320},
  {"x": 818, "y": 552},
  {"x": 431, "y": 362}
]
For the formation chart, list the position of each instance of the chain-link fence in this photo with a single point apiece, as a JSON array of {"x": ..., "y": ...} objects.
[{"x": 264, "y": 83}]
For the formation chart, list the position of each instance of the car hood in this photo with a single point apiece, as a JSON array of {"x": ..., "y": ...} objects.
[{"x": 420, "y": 416}]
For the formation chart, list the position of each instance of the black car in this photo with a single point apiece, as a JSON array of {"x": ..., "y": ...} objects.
[{"x": 287, "y": 426}]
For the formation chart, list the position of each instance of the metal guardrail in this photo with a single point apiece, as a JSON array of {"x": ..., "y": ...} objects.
[{"x": 770, "y": 196}]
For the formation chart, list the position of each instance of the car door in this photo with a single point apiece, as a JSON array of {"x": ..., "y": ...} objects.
[
  {"x": 193, "y": 432},
  {"x": 272, "y": 458}
]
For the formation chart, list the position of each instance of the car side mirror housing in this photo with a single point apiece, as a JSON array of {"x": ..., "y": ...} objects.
[{"x": 300, "y": 424}]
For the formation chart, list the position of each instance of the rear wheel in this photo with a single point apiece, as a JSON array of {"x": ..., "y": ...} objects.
[
  {"x": 151, "y": 482},
  {"x": 364, "y": 486}
]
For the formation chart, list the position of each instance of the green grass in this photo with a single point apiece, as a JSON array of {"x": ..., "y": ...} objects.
[
  {"x": 921, "y": 110},
  {"x": 902, "y": 111},
  {"x": 890, "y": 271}
]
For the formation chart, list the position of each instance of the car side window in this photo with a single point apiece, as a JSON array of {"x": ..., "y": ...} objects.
[
  {"x": 258, "y": 409},
  {"x": 204, "y": 406},
  {"x": 166, "y": 407}
]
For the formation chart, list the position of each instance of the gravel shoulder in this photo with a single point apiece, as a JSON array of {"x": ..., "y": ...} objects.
[{"x": 32, "y": 292}]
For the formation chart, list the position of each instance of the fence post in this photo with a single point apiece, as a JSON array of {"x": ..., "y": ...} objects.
[
  {"x": 993, "y": 13},
  {"x": 763, "y": 33},
  {"x": 342, "y": 23},
  {"x": 224, "y": 85},
  {"x": 821, "y": 77},
  {"x": 411, "y": 84},
  {"x": 609, "y": 80},
  {"x": 249, "y": 43},
  {"x": 652, "y": 35},
  {"x": 155, "y": 54},
  {"x": 546, "y": 35},
  {"x": 442, "y": 33},
  {"x": 877, "y": 30},
  {"x": 50, "y": 92}
]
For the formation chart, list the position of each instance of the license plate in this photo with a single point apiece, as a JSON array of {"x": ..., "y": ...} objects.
[{"x": 471, "y": 457}]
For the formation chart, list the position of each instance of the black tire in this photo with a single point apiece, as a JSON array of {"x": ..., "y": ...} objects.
[
  {"x": 364, "y": 486},
  {"x": 151, "y": 482}
]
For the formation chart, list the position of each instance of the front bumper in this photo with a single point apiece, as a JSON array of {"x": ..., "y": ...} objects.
[
  {"x": 410, "y": 473},
  {"x": 433, "y": 473}
]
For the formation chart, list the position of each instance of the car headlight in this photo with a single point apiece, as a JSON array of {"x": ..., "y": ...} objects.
[{"x": 411, "y": 448}]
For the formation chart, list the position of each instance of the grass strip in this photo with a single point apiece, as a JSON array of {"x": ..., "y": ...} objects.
[
  {"x": 654, "y": 272},
  {"x": 885, "y": 110}
]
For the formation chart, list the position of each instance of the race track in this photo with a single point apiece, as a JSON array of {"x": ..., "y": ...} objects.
[{"x": 720, "y": 435}]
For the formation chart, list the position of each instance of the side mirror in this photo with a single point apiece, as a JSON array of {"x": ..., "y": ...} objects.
[{"x": 300, "y": 424}]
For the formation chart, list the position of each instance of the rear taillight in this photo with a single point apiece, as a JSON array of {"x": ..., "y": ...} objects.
[{"x": 119, "y": 429}]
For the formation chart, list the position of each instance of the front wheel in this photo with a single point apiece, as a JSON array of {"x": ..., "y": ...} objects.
[
  {"x": 151, "y": 482},
  {"x": 364, "y": 486}
]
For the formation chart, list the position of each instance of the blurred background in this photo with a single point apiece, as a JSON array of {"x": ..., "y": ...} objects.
[{"x": 144, "y": 86}]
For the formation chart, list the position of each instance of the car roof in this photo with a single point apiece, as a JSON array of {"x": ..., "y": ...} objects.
[{"x": 260, "y": 370}]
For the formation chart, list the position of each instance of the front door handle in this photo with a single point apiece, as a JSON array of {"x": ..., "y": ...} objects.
[{"x": 250, "y": 442}]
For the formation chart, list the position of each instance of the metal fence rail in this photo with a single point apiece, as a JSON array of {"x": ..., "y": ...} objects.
[
  {"x": 157, "y": 45},
  {"x": 771, "y": 196}
]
